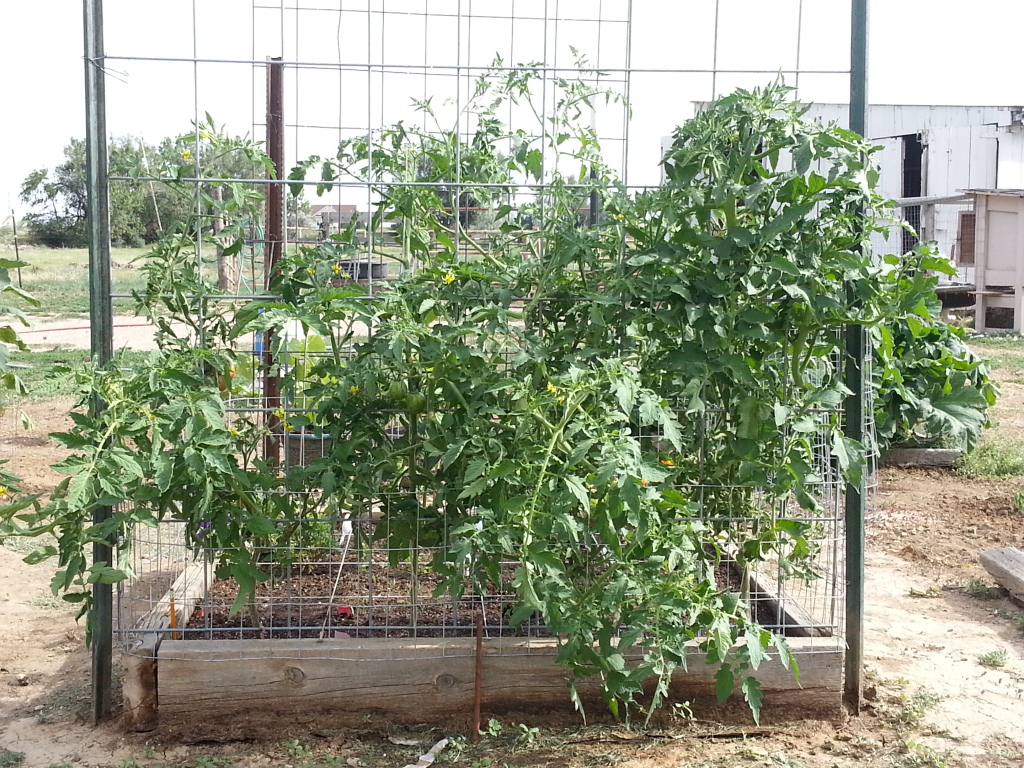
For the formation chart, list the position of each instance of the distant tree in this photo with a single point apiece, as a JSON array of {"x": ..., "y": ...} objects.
[
  {"x": 60, "y": 196},
  {"x": 61, "y": 203},
  {"x": 141, "y": 210}
]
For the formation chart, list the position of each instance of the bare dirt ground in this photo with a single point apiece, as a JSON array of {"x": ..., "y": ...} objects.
[
  {"x": 930, "y": 702},
  {"x": 130, "y": 332}
]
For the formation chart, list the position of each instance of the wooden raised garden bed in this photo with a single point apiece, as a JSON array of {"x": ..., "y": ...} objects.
[{"x": 221, "y": 678}]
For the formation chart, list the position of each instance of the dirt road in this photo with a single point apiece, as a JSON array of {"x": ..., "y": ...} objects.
[{"x": 132, "y": 333}]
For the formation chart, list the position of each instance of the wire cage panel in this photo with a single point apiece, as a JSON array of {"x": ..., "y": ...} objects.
[{"x": 349, "y": 71}]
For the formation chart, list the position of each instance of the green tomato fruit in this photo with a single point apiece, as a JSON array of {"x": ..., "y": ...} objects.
[
  {"x": 415, "y": 403},
  {"x": 398, "y": 390}
]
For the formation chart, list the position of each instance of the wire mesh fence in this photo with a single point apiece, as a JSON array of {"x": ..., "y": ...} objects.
[
  {"x": 335, "y": 576},
  {"x": 947, "y": 221}
]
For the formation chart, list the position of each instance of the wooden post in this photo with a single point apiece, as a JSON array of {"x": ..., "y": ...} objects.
[
  {"x": 274, "y": 247},
  {"x": 853, "y": 417},
  {"x": 479, "y": 677},
  {"x": 980, "y": 261},
  {"x": 101, "y": 315},
  {"x": 139, "y": 686},
  {"x": 227, "y": 266}
]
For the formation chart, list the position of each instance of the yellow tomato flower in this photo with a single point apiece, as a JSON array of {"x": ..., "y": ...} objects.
[
  {"x": 449, "y": 277},
  {"x": 3, "y": 491},
  {"x": 353, "y": 390},
  {"x": 186, "y": 154},
  {"x": 288, "y": 427},
  {"x": 336, "y": 269},
  {"x": 644, "y": 482},
  {"x": 552, "y": 387},
  {"x": 668, "y": 462},
  {"x": 233, "y": 431},
  {"x": 279, "y": 412}
]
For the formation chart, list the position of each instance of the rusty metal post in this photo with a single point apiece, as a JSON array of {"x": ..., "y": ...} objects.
[{"x": 274, "y": 249}]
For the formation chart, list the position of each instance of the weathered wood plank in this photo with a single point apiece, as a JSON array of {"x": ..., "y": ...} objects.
[
  {"x": 1006, "y": 566},
  {"x": 187, "y": 590},
  {"x": 233, "y": 682},
  {"x": 796, "y": 619},
  {"x": 923, "y": 457}
]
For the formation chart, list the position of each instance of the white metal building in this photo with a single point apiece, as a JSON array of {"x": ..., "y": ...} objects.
[{"x": 930, "y": 155}]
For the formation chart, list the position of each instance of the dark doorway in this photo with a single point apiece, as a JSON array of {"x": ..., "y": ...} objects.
[{"x": 913, "y": 186}]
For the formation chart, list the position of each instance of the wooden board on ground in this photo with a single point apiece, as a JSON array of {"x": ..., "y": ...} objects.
[
  {"x": 923, "y": 457},
  {"x": 239, "y": 686},
  {"x": 1006, "y": 566}
]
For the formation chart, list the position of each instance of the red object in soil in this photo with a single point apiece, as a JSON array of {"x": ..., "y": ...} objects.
[
  {"x": 342, "y": 636},
  {"x": 199, "y": 613},
  {"x": 344, "y": 610}
]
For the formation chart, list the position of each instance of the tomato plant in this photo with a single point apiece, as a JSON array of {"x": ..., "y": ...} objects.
[
  {"x": 618, "y": 409},
  {"x": 9, "y": 380}
]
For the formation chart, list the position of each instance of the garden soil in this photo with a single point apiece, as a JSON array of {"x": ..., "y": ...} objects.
[{"x": 928, "y": 701}]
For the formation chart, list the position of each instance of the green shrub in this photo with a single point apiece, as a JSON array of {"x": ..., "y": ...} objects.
[{"x": 995, "y": 458}]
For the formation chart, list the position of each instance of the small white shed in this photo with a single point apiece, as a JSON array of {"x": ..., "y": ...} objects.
[{"x": 999, "y": 254}]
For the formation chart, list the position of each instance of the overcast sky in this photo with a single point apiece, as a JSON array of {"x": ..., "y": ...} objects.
[{"x": 922, "y": 52}]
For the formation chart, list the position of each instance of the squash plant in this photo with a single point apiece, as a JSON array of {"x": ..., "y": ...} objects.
[
  {"x": 616, "y": 409},
  {"x": 937, "y": 392}
]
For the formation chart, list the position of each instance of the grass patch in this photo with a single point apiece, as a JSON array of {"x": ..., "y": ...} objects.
[
  {"x": 9, "y": 759},
  {"x": 916, "y": 755},
  {"x": 1004, "y": 748},
  {"x": 980, "y": 589},
  {"x": 48, "y": 603},
  {"x": 1004, "y": 354},
  {"x": 59, "y": 278},
  {"x": 993, "y": 659},
  {"x": 995, "y": 458},
  {"x": 44, "y": 384},
  {"x": 912, "y": 709}
]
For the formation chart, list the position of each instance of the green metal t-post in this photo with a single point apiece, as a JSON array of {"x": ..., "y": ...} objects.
[
  {"x": 101, "y": 321},
  {"x": 854, "y": 407}
]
